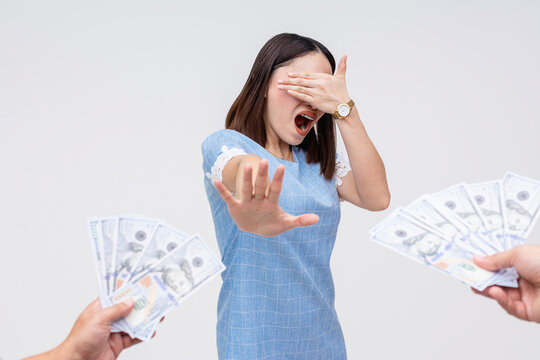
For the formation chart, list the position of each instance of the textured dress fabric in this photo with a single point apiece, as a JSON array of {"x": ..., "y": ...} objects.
[{"x": 277, "y": 297}]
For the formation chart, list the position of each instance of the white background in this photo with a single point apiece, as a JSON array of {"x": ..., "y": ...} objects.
[{"x": 104, "y": 105}]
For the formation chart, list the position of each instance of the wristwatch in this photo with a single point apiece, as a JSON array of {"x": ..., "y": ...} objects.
[{"x": 343, "y": 110}]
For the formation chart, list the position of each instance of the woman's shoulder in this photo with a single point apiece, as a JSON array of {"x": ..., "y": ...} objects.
[
  {"x": 221, "y": 146},
  {"x": 224, "y": 137}
]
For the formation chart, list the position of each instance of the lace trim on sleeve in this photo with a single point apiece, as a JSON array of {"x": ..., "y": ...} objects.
[
  {"x": 226, "y": 155},
  {"x": 342, "y": 168}
]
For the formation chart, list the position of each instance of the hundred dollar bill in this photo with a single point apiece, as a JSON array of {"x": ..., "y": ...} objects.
[
  {"x": 456, "y": 200},
  {"x": 171, "y": 280},
  {"x": 426, "y": 212},
  {"x": 414, "y": 240},
  {"x": 164, "y": 240},
  {"x": 94, "y": 226},
  {"x": 102, "y": 255},
  {"x": 521, "y": 207},
  {"x": 487, "y": 198},
  {"x": 132, "y": 236},
  {"x": 109, "y": 229}
]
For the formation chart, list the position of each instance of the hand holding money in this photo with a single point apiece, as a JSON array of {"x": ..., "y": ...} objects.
[
  {"x": 447, "y": 229},
  {"x": 151, "y": 263},
  {"x": 524, "y": 301},
  {"x": 91, "y": 336}
]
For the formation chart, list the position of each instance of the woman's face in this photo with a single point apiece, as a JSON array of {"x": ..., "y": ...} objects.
[{"x": 282, "y": 109}]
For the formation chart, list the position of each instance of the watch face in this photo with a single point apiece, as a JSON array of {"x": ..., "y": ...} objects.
[{"x": 343, "y": 110}]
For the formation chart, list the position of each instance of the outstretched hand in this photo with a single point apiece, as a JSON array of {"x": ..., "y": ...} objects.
[
  {"x": 257, "y": 209},
  {"x": 522, "y": 302}
]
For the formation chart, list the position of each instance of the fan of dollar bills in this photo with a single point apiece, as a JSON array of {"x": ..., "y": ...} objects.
[
  {"x": 444, "y": 230},
  {"x": 150, "y": 262}
]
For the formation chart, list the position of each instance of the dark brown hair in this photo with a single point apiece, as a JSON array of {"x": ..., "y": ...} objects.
[{"x": 246, "y": 113}]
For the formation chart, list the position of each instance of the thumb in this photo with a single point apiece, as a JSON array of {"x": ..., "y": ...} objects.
[
  {"x": 497, "y": 261},
  {"x": 306, "y": 219},
  {"x": 342, "y": 66},
  {"x": 118, "y": 311}
]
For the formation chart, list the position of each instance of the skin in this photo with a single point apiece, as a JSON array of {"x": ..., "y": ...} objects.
[
  {"x": 305, "y": 83},
  {"x": 522, "y": 302},
  {"x": 91, "y": 337}
]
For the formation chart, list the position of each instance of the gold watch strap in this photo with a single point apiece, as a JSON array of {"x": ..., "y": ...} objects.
[{"x": 336, "y": 115}]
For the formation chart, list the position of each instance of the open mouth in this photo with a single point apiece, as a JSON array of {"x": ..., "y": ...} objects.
[{"x": 303, "y": 124}]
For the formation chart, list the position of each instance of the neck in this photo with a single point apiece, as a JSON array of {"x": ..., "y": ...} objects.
[
  {"x": 279, "y": 148},
  {"x": 276, "y": 146}
]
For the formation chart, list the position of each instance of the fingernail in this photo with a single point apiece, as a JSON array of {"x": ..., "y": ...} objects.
[
  {"x": 280, "y": 81},
  {"x": 290, "y": 74},
  {"x": 479, "y": 257},
  {"x": 128, "y": 302}
]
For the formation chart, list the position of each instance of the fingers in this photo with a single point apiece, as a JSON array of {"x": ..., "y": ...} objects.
[
  {"x": 303, "y": 220},
  {"x": 299, "y": 81},
  {"x": 258, "y": 189},
  {"x": 262, "y": 180},
  {"x": 247, "y": 187},
  {"x": 276, "y": 184},
  {"x": 498, "y": 294},
  {"x": 95, "y": 306},
  {"x": 300, "y": 96},
  {"x": 225, "y": 194},
  {"x": 117, "y": 311},
  {"x": 299, "y": 89},
  {"x": 307, "y": 219},
  {"x": 497, "y": 261},
  {"x": 514, "y": 307},
  {"x": 508, "y": 299},
  {"x": 127, "y": 341},
  {"x": 342, "y": 66},
  {"x": 91, "y": 310},
  {"x": 306, "y": 75},
  {"x": 483, "y": 293},
  {"x": 514, "y": 293}
]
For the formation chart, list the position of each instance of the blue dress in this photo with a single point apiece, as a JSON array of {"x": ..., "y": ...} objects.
[{"x": 277, "y": 297}]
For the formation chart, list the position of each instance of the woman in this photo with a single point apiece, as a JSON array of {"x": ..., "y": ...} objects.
[{"x": 276, "y": 237}]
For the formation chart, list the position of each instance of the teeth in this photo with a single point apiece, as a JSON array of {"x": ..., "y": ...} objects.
[
  {"x": 307, "y": 117},
  {"x": 303, "y": 127}
]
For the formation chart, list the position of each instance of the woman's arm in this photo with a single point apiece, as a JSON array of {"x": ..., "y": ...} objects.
[
  {"x": 365, "y": 185},
  {"x": 233, "y": 171}
]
